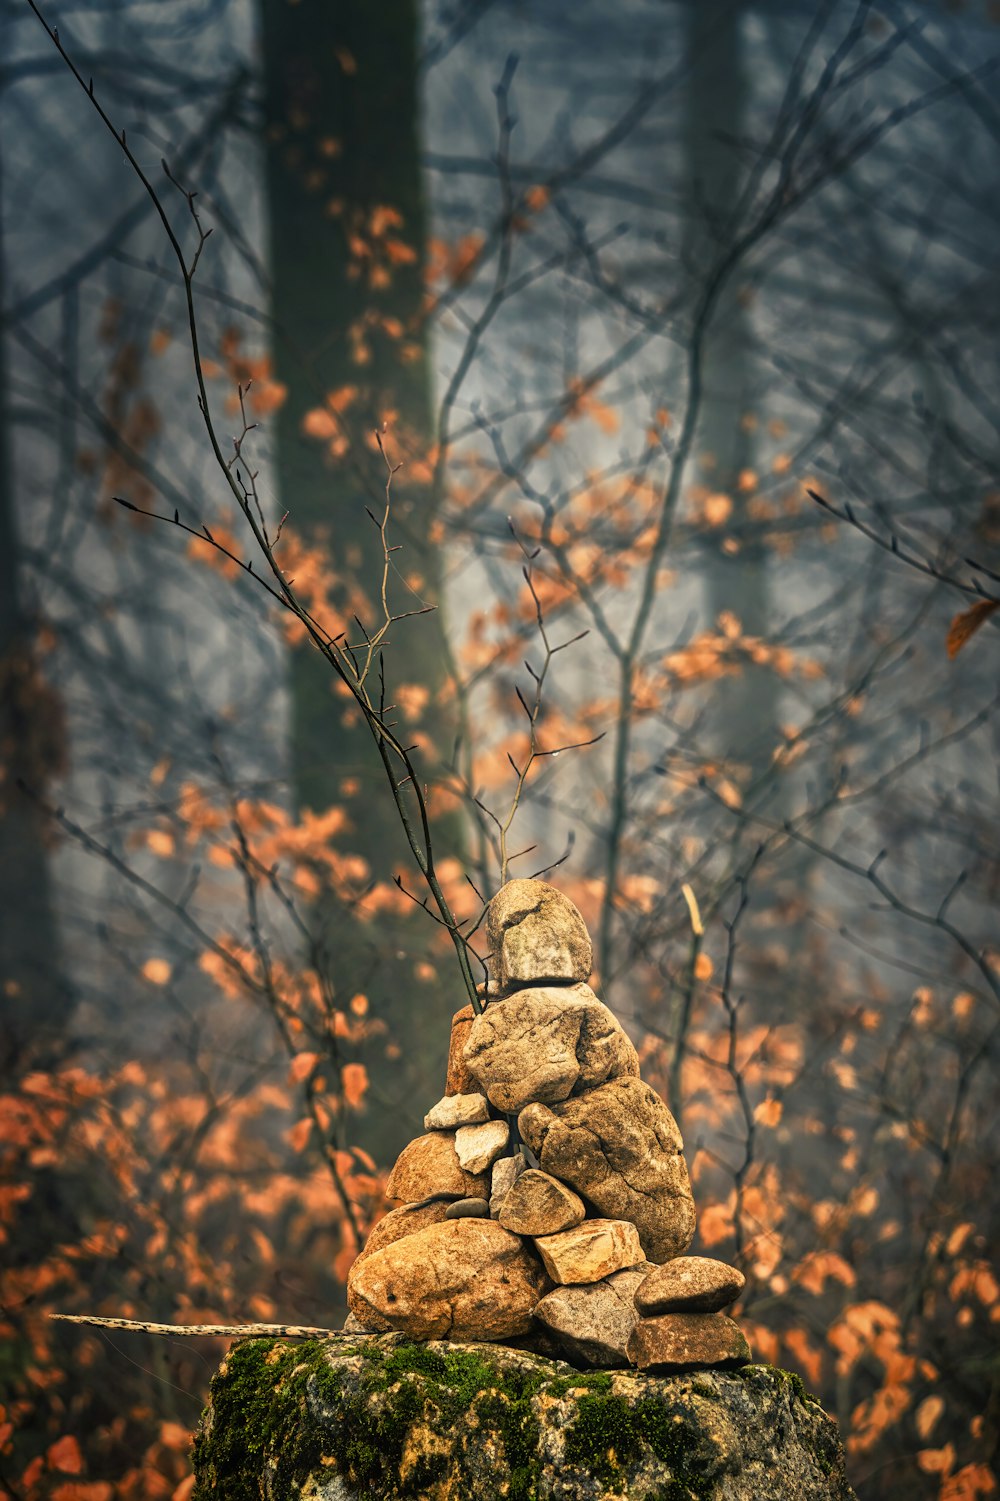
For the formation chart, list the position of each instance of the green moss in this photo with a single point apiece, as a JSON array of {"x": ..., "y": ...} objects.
[
  {"x": 271, "y": 1403},
  {"x": 792, "y": 1382},
  {"x": 610, "y": 1433},
  {"x": 262, "y": 1417},
  {"x": 260, "y": 1411}
]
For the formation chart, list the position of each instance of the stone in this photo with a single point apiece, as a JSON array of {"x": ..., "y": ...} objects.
[
  {"x": 535, "y": 934},
  {"x": 592, "y": 1322},
  {"x": 455, "y": 1421},
  {"x": 352, "y": 1325},
  {"x": 461, "y": 1279},
  {"x": 458, "y": 1079},
  {"x": 589, "y": 1252},
  {"x": 478, "y": 1147},
  {"x": 430, "y": 1165},
  {"x": 539, "y": 1204},
  {"x": 457, "y": 1110},
  {"x": 620, "y": 1148},
  {"x": 685, "y": 1339},
  {"x": 506, "y": 1171},
  {"x": 385, "y": 1232},
  {"x": 545, "y": 1044},
  {"x": 468, "y": 1209},
  {"x": 690, "y": 1284}
]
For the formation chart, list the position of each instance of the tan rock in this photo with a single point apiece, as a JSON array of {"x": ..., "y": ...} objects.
[
  {"x": 592, "y": 1322},
  {"x": 390, "y": 1228},
  {"x": 619, "y": 1147},
  {"x": 462, "y": 1280},
  {"x": 535, "y": 934},
  {"x": 459, "y": 1080},
  {"x": 506, "y": 1171},
  {"x": 689, "y": 1284},
  {"x": 430, "y": 1165},
  {"x": 457, "y": 1110},
  {"x": 539, "y": 1204},
  {"x": 589, "y": 1252},
  {"x": 685, "y": 1339},
  {"x": 478, "y": 1147},
  {"x": 545, "y": 1044}
]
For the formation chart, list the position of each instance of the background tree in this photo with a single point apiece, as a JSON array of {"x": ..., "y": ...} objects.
[{"x": 837, "y": 1091}]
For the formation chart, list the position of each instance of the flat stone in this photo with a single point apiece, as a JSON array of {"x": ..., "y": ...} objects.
[
  {"x": 478, "y": 1147},
  {"x": 686, "y": 1339},
  {"x": 390, "y": 1228},
  {"x": 457, "y": 1110},
  {"x": 467, "y": 1209},
  {"x": 545, "y": 1044},
  {"x": 506, "y": 1171},
  {"x": 429, "y": 1165},
  {"x": 461, "y": 1279},
  {"x": 458, "y": 1079},
  {"x": 539, "y": 1204},
  {"x": 535, "y": 934},
  {"x": 723, "y": 1435},
  {"x": 592, "y": 1322},
  {"x": 690, "y": 1284},
  {"x": 589, "y": 1252},
  {"x": 620, "y": 1148}
]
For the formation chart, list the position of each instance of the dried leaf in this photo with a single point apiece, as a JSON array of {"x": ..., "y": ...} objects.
[{"x": 967, "y": 623}]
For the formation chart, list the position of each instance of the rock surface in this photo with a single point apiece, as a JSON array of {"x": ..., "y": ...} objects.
[
  {"x": 619, "y": 1146},
  {"x": 478, "y": 1147},
  {"x": 458, "y": 1079},
  {"x": 535, "y": 933},
  {"x": 461, "y": 1279},
  {"x": 686, "y": 1339},
  {"x": 589, "y": 1252},
  {"x": 538, "y": 1204},
  {"x": 457, "y": 1110},
  {"x": 690, "y": 1284},
  {"x": 429, "y": 1165},
  {"x": 592, "y": 1322},
  {"x": 546, "y": 1044},
  {"x": 390, "y": 1228},
  {"x": 506, "y": 1171},
  {"x": 468, "y": 1209},
  {"x": 351, "y": 1418}
]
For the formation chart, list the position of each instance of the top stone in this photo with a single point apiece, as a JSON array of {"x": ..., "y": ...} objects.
[{"x": 536, "y": 935}]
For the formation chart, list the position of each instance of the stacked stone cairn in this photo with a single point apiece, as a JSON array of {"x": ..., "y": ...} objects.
[{"x": 548, "y": 1205}]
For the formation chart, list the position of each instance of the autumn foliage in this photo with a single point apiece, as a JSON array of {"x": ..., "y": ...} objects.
[{"x": 792, "y": 895}]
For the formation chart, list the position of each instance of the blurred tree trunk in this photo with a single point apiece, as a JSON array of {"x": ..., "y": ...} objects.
[
  {"x": 744, "y": 722},
  {"x": 342, "y": 146},
  {"x": 34, "y": 1000}
]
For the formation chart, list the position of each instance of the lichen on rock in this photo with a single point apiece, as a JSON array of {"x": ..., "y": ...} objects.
[{"x": 351, "y": 1419}]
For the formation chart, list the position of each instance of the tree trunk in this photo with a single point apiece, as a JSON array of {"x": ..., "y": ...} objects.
[
  {"x": 342, "y": 146},
  {"x": 35, "y": 1001}
]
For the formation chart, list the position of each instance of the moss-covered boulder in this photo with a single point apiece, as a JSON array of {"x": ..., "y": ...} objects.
[{"x": 351, "y": 1419}]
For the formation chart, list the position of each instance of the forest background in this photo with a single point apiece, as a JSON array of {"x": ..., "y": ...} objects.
[{"x": 620, "y": 290}]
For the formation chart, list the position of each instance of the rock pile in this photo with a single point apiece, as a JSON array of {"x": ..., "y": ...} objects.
[{"x": 548, "y": 1203}]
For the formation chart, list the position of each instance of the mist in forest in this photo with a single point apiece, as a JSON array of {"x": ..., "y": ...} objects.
[{"x": 577, "y": 427}]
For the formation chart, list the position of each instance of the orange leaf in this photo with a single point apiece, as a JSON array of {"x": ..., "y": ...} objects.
[
  {"x": 967, "y": 623},
  {"x": 156, "y": 971},
  {"x": 302, "y": 1066},
  {"x": 768, "y": 1112},
  {"x": 354, "y": 1079},
  {"x": 703, "y": 967},
  {"x": 928, "y": 1413},
  {"x": 65, "y": 1455},
  {"x": 299, "y": 1134},
  {"x": 937, "y": 1461}
]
